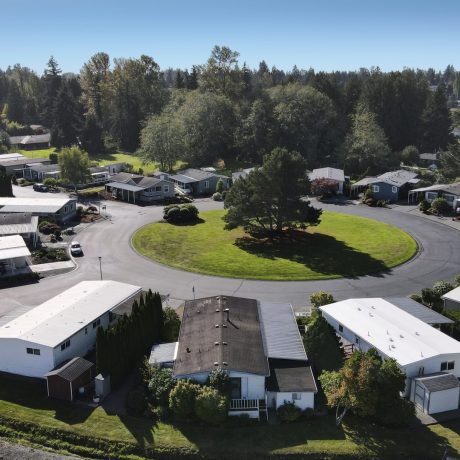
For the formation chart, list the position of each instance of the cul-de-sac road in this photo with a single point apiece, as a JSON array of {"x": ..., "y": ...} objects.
[{"x": 439, "y": 258}]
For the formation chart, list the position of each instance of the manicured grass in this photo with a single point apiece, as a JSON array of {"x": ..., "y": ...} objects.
[
  {"x": 27, "y": 403},
  {"x": 342, "y": 245},
  {"x": 43, "y": 153}
]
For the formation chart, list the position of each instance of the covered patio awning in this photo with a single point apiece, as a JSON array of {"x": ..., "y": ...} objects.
[{"x": 128, "y": 187}]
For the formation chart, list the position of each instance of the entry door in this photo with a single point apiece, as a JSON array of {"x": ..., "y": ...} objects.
[
  {"x": 235, "y": 385},
  {"x": 419, "y": 396},
  {"x": 244, "y": 387}
]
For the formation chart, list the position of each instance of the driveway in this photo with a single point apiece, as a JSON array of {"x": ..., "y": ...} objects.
[{"x": 110, "y": 240}]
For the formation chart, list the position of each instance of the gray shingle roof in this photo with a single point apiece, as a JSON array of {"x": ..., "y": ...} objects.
[
  {"x": 398, "y": 178},
  {"x": 439, "y": 382},
  {"x": 72, "y": 370},
  {"x": 290, "y": 376},
  {"x": 207, "y": 339},
  {"x": 427, "y": 315},
  {"x": 195, "y": 175}
]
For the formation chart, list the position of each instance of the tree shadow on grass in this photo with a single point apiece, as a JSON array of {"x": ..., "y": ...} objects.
[
  {"x": 141, "y": 429},
  {"x": 318, "y": 252}
]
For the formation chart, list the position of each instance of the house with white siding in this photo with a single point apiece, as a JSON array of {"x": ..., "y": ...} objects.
[
  {"x": 423, "y": 353},
  {"x": 14, "y": 254},
  {"x": 257, "y": 343},
  {"x": 61, "y": 328}
]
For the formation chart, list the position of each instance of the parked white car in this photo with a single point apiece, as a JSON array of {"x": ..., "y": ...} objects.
[{"x": 75, "y": 248}]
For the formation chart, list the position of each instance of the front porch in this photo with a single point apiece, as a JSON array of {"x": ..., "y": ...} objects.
[{"x": 252, "y": 407}]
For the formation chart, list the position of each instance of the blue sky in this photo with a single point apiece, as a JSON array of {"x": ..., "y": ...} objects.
[{"x": 323, "y": 34}]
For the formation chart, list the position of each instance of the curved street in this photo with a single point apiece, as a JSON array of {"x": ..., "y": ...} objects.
[{"x": 438, "y": 259}]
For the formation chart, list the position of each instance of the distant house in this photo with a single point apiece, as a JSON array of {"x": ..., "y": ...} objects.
[
  {"x": 11, "y": 156},
  {"x": 62, "y": 328},
  {"x": 40, "y": 172},
  {"x": 241, "y": 174},
  {"x": 391, "y": 186},
  {"x": 16, "y": 166},
  {"x": 429, "y": 358},
  {"x": 451, "y": 192},
  {"x": 14, "y": 254},
  {"x": 58, "y": 209},
  {"x": 333, "y": 174},
  {"x": 135, "y": 188},
  {"x": 257, "y": 343},
  {"x": 429, "y": 160},
  {"x": 198, "y": 182},
  {"x": 31, "y": 142},
  {"x": 22, "y": 224}
]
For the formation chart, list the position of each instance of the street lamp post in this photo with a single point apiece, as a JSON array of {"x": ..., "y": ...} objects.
[{"x": 100, "y": 265}]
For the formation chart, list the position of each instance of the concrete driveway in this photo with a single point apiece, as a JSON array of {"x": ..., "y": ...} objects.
[{"x": 438, "y": 259}]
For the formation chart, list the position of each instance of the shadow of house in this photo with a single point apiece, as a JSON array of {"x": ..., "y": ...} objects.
[{"x": 320, "y": 253}]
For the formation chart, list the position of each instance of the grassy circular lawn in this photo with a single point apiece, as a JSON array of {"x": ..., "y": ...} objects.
[{"x": 342, "y": 245}]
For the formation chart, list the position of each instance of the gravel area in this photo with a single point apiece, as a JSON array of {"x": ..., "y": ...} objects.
[{"x": 18, "y": 452}]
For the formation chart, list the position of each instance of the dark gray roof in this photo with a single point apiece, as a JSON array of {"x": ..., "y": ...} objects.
[
  {"x": 427, "y": 315},
  {"x": 195, "y": 175},
  {"x": 72, "y": 370},
  {"x": 30, "y": 139},
  {"x": 290, "y": 376},
  {"x": 207, "y": 339},
  {"x": 23, "y": 162},
  {"x": 397, "y": 178},
  {"x": 40, "y": 167},
  {"x": 439, "y": 382},
  {"x": 124, "y": 177}
]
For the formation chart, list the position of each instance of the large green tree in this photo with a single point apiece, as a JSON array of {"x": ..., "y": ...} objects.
[
  {"x": 369, "y": 387},
  {"x": 450, "y": 161},
  {"x": 6, "y": 188},
  {"x": 272, "y": 198},
  {"x": 74, "y": 164},
  {"x": 366, "y": 146}
]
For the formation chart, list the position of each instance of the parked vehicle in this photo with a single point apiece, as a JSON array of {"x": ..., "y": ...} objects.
[
  {"x": 75, "y": 248},
  {"x": 40, "y": 187}
]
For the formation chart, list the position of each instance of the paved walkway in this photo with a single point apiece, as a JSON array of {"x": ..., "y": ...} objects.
[{"x": 53, "y": 267}]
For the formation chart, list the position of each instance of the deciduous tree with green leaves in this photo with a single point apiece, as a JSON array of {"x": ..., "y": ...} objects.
[{"x": 74, "y": 164}]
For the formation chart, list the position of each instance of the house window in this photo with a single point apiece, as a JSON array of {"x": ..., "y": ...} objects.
[
  {"x": 86, "y": 330},
  {"x": 447, "y": 365},
  {"x": 97, "y": 323},
  {"x": 206, "y": 184},
  {"x": 158, "y": 189},
  {"x": 296, "y": 396},
  {"x": 166, "y": 188},
  {"x": 394, "y": 189},
  {"x": 375, "y": 188},
  {"x": 340, "y": 328},
  {"x": 65, "y": 345},
  {"x": 33, "y": 351},
  {"x": 356, "y": 340},
  {"x": 430, "y": 196}
]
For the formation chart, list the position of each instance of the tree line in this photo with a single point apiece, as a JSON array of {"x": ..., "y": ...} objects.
[
  {"x": 121, "y": 346},
  {"x": 221, "y": 110}
]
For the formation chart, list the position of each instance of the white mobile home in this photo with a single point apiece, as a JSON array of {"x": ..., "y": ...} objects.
[
  {"x": 14, "y": 254},
  {"x": 58, "y": 209},
  {"x": 61, "y": 328}
]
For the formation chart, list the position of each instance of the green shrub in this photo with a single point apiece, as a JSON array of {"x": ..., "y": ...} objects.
[
  {"x": 79, "y": 211},
  {"x": 320, "y": 298},
  {"x": 416, "y": 297},
  {"x": 219, "y": 186},
  {"x": 381, "y": 203},
  {"x": 160, "y": 385},
  {"x": 48, "y": 228},
  {"x": 288, "y": 412},
  {"x": 440, "y": 288},
  {"x": 171, "y": 325},
  {"x": 368, "y": 194},
  {"x": 308, "y": 413},
  {"x": 457, "y": 281},
  {"x": 180, "y": 213},
  {"x": 440, "y": 206},
  {"x": 50, "y": 182},
  {"x": 210, "y": 406},
  {"x": 53, "y": 158},
  {"x": 219, "y": 380},
  {"x": 424, "y": 206},
  {"x": 217, "y": 196},
  {"x": 182, "y": 398}
]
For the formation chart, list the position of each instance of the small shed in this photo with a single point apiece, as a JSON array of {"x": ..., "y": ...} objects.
[
  {"x": 435, "y": 393},
  {"x": 65, "y": 381}
]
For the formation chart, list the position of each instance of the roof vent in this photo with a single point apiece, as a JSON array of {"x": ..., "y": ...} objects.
[
  {"x": 393, "y": 346},
  {"x": 400, "y": 335},
  {"x": 224, "y": 343},
  {"x": 216, "y": 363},
  {"x": 416, "y": 333},
  {"x": 224, "y": 298},
  {"x": 370, "y": 314},
  {"x": 188, "y": 350},
  {"x": 216, "y": 344},
  {"x": 359, "y": 308},
  {"x": 225, "y": 363},
  {"x": 217, "y": 326},
  {"x": 372, "y": 306},
  {"x": 224, "y": 325},
  {"x": 217, "y": 310}
]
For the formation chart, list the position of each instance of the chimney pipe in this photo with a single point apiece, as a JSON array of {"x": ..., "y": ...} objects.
[{"x": 227, "y": 310}]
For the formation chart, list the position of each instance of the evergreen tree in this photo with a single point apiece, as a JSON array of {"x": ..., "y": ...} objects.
[
  {"x": 6, "y": 188},
  {"x": 65, "y": 127},
  {"x": 179, "y": 82},
  {"x": 101, "y": 351},
  {"x": 51, "y": 83},
  {"x": 192, "y": 80},
  {"x": 91, "y": 136},
  {"x": 15, "y": 103}
]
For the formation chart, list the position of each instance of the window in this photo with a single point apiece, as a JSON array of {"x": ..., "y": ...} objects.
[
  {"x": 33, "y": 351},
  {"x": 158, "y": 189},
  {"x": 356, "y": 340},
  {"x": 166, "y": 188},
  {"x": 97, "y": 323},
  {"x": 340, "y": 328},
  {"x": 235, "y": 387},
  {"x": 206, "y": 184},
  {"x": 375, "y": 188},
  {"x": 86, "y": 330},
  {"x": 394, "y": 189},
  {"x": 447, "y": 365},
  {"x": 296, "y": 396},
  {"x": 65, "y": 345}
]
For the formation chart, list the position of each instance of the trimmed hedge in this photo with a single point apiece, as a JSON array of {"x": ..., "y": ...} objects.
[{"x": 180, "y": 213}]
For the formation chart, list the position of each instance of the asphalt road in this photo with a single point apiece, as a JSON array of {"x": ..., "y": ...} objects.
[{"x": 439, "y": 258}]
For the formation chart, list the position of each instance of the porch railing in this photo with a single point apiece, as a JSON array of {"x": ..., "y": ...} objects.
[{"x": 244, "y": 404}]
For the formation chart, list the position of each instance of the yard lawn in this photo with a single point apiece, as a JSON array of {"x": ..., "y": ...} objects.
[
  {"x": 342, "y": 245},
  {"x": 44, "y": 153},
  {"x": 27, "y": 402}
]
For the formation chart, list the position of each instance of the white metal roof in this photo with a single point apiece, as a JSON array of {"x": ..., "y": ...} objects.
[
  {"x": 50, "y": 205},
  {"x": 327, "y": 173},
  {"x": 391, "y": 330},
  {"x": 11, "y": 156},
  {"x": 13, "y": 246},
  {"x": 57, "y": 319},
  {"x": 280, "y": 332},
  {"x": 453, "y": 295},
  {"x": 163, "y": 353}
]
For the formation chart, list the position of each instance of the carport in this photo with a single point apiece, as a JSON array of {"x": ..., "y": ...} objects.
[
  {"x": 435, "y": 393},
  {"x": 126, "y": 192}
]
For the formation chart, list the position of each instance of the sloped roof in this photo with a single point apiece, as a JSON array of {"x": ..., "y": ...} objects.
[
  {"x": 398, "y": 178},
  {"x": 30, "y": 139},
  {"x": 391, "y": 330},
  {"x": 195, "y": 175},
  {"x": 429, "y": 156},
  {"x": 453, "y": 189},
  {"x": 72, "y": 370},
  {"x": 124, "y": 177},
  {"x": 280, "y": 331},
  {"x": 17, "y": 223},
  {"x": 207, "y": 339},
  {"x": 438, "y": 382},
  {"x": 33, "y": 205},
  {"x": 290, "y": 376},
  {"x": 13, "y": 246},
  {"x": 453, "y": 295},
  {"x": 427, "y": 315},
  {"x": 328, "y": 173}
]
